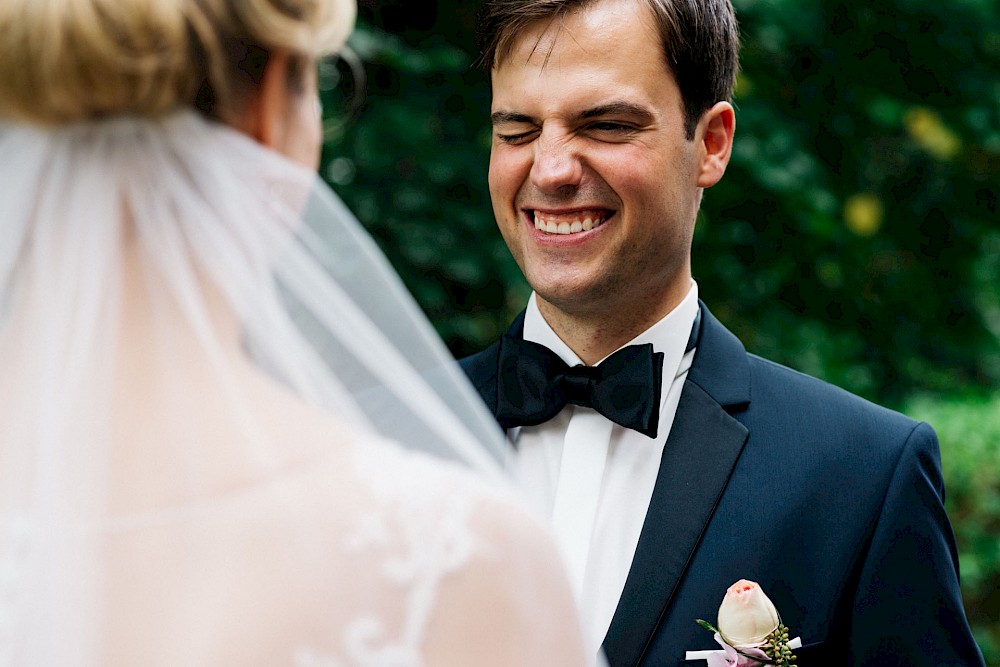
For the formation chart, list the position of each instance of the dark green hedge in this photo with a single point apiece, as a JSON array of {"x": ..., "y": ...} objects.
[{"x": 969, "y": 431}]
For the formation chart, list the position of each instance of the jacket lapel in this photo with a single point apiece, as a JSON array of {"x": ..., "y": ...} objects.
[
  {"x": 482, "y": 367},
  {"x": 704, "y": 443},
  {"x": 701, "y": 451}
]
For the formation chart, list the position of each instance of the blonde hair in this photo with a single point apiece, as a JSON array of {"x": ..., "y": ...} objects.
[{"x": 68, "y": 60}]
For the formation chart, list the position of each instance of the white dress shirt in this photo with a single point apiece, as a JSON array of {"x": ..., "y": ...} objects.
[{"x": 597, "y": 488}]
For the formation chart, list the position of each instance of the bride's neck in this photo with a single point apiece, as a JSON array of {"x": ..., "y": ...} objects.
[
  {"x": 189, "y": 314},
  {"x": 182, "y": 389}
]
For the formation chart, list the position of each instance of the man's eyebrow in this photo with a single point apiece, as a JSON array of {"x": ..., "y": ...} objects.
[
  {"x": 617, "y": 109},
  {"x": 500, "y": 117},
  {"x": 620, "y": 108}
]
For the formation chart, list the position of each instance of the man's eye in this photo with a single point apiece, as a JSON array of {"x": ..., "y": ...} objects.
[
  {"x": 611, "y": 127},
  {"x": 516, "y": 137}
]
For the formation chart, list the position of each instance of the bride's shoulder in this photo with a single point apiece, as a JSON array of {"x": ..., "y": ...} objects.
[
  {"x": 480, "y": 517},
  {"x": 418, "y": 482},
  {"x": 494, "y": 563}
]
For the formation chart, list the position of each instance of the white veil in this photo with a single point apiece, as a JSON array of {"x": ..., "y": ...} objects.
[{"x": 143, "y": 264}]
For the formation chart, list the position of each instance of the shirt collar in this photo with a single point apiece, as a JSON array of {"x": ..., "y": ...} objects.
[{"x": 669, "y": 335}]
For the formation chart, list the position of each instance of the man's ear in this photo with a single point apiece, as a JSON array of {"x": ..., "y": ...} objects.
[
  {"x": 715, "y": 134},
  {"x": 265, "y": 116}
]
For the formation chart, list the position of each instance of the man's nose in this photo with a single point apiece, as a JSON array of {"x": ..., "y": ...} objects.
[{"x": 556, "y": 165}]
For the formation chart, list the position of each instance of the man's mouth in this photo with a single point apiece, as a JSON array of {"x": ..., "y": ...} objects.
[{"x": 570, "y": 223}]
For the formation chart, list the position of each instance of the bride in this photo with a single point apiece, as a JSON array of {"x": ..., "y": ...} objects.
[{"x": 207, "y": 372}]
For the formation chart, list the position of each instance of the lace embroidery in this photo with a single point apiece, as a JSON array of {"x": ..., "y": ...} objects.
[{"x": 416, "y": 534}]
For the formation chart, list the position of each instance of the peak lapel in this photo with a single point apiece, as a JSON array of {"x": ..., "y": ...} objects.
[{"x": 704, "y": 444}]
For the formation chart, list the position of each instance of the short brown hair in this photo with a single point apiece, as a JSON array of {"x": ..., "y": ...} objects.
[{"x": 700, "y": 41}]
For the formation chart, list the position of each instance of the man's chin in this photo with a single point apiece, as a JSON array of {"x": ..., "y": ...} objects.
[{"x": 575, "y": 301}]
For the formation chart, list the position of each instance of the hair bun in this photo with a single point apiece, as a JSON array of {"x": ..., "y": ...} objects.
[{"x": 68, "y": 60}]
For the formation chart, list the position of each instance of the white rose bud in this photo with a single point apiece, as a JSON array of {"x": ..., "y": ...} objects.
[{"x": 746, "y": 616}]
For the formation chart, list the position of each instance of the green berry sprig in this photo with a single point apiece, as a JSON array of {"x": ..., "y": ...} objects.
[{"x": 776, "y": 647}]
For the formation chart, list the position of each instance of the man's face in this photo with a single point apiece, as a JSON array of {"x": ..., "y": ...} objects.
[{"x": 595, "y": 187}]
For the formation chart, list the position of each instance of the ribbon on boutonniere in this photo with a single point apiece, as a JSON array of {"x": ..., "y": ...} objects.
[{"x": 750, "y": 631}]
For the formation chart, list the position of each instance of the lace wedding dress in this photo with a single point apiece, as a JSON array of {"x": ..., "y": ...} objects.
[{"x": 222, "y": 424}]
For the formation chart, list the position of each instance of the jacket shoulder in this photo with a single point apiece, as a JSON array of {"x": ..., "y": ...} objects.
[
  {"x": 816, "y": 404},
  {"x": 482, "y": 364}
]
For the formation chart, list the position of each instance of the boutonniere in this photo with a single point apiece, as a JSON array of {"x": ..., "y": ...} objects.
[{"x": 750, "y": 631}]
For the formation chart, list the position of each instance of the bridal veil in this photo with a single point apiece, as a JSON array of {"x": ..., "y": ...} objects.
[{"x": 222, "y": 418}]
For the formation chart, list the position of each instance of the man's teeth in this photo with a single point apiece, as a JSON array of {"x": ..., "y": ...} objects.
[{"x": 584, "y": 224}]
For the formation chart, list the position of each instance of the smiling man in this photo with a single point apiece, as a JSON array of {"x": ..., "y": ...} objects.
[
  {"x": 596, "y": 175},
  {"x": 671, "y": 462}
]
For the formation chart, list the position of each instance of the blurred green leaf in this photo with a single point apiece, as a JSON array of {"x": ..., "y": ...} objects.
[{"x": 969, "y": 432}]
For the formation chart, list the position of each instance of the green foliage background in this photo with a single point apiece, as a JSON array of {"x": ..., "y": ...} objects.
[
  {"x": 969, "y": 430},
  {"x": 854, "y": 237}
]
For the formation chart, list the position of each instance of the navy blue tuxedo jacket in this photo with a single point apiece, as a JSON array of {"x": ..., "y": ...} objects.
[{"x": 831, "y": 503}]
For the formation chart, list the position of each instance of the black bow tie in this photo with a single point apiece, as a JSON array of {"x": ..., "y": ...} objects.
[{"x": 534, "y": 384}]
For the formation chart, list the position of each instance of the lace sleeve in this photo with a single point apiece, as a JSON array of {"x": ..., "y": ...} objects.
[
  {"x": 511, "y": 602},
  {"x": 468, "y": 575}
]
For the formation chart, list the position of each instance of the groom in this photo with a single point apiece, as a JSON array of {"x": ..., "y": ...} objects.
[{"x": 672, "y": 462}]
